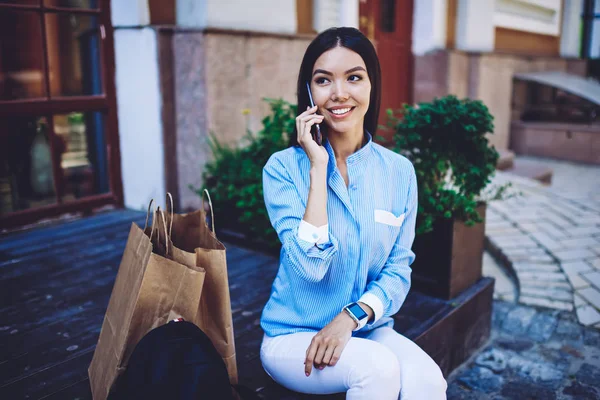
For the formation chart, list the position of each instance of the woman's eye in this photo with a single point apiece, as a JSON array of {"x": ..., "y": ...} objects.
[
  {"x": 354, "y": 78},
  {"x": 321, "y": 81}
]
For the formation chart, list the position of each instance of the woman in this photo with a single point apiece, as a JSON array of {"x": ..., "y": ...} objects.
[{"x": 345, "y": 214}]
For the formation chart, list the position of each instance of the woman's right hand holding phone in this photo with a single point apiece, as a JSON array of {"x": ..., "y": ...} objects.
[{"x": 304, "y": 122}]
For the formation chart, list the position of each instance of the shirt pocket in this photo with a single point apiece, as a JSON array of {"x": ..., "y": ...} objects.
[
  {"x": 387, "y": 229},
  {"x": 387, "y": 218}
]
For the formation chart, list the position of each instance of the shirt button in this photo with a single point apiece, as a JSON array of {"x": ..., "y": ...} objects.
[
  {"x": 315, "y": 236},
  {"x": 353, "y": 187}
]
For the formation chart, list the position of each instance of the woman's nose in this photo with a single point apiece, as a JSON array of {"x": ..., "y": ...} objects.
[{"x": 340, "y": 93}]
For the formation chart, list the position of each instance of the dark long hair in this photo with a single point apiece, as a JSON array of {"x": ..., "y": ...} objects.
[{"x": 354, "y": 40}]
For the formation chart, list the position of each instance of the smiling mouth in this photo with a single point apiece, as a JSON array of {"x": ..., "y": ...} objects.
[{"x": 341, "y": 112}]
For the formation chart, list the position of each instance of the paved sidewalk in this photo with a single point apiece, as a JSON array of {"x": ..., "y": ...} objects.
[
  {"x": 549, "y": 239},
  {"x": 533, "y": 354}
]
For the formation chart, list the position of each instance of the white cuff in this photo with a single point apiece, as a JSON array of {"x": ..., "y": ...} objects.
[
  {"x": 375, "y": 303},
  {"x": 312, "y": 234}
]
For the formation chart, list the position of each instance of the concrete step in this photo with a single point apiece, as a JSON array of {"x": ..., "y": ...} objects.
[
  {"x": 531, "y": 169},
  {"x": 506, "y": 160}
]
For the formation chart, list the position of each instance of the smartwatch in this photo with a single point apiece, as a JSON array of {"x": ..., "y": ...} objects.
[{"x": 356, "y": 312}]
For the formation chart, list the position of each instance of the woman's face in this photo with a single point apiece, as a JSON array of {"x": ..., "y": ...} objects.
[{"x": 341, "y": 89}]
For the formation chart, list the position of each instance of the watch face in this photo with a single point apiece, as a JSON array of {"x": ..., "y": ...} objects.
[{"x": 357, "y": 311}]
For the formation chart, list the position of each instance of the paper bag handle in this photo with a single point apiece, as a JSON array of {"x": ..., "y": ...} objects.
[
  {"x": 212, "y": 214},
  {"x": 167, "y": 238},
  {"x": 150, "y": 205},
  {"x": 170, "y": 198}
]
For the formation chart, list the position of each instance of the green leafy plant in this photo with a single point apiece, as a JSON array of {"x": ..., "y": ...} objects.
[
  {"x": 234, "y": 177},
  {"x": 446, "y": 142}
]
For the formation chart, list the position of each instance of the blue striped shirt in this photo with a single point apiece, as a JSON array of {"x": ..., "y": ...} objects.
[{"x": 371, "y": 230}]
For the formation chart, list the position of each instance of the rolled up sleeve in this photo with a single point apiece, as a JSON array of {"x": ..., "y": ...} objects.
[{"x": 309, "y": 257}]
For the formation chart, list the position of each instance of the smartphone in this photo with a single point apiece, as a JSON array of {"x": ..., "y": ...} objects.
[{"x": 316, "y": 133}]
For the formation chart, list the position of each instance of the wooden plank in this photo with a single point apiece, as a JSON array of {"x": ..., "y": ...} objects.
[
  {"x": 79, "y": 390},
  {"x": 98, "y": 280},
  {"x": 60, "y": 312},
  {"x": 47, "y": 334},
  {"x": 50, "y": 380},
  {"x": 59, "y": 269},
  {"x": 31, "y": 253},
  {"x": 50, "y": 294},
  {"x": 513, "y": 41},
  {"x": 40, "y": 357},
  {"x": 418, "y": 313},
  {"x": 35, "y": 236}
]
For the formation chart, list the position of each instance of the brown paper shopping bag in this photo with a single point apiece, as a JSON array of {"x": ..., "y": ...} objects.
[
  {"x": 150, "y": 289},
  {"x": 191, "y": 234}
]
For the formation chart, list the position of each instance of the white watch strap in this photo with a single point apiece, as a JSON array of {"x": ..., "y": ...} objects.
[{"x": 362, "y": 323}]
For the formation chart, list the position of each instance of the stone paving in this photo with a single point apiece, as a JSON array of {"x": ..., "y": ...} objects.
[
  {"x": 533, "y": 354},
  {"x": 549, "y": 239}
]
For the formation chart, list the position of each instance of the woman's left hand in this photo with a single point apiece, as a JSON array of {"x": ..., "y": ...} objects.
[{"x": 327, "y": 345}]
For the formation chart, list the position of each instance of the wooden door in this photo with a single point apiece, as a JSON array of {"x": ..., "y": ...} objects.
[{"x": 388, "y": 24}]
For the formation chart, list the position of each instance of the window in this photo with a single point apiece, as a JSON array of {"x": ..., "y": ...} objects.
[{"x": 57, "y": 108}]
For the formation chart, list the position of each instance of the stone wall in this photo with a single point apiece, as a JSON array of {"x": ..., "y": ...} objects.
[
  {"x": 484, "y": 76},
  {"x": 221, "y": 80}
]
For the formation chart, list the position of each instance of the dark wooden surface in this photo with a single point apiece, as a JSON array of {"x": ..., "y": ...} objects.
[{"x": 55, "y": 283}]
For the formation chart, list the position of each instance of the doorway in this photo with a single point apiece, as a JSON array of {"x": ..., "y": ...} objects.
[{"x": 388, "y": 24}]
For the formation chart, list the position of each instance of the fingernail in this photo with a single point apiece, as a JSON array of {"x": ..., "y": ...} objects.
[{"x": 306, "y": 373}]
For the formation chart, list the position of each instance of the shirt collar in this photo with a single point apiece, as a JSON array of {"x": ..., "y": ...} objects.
[{"x": 358, "y": 156}]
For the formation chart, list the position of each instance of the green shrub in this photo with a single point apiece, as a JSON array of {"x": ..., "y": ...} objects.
[
  {"x": 445, "y": 140},
  {"x": 447, "y": 144},
  {"x": 234, "y": 177}
]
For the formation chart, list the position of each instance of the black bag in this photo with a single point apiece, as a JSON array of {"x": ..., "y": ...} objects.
[{"x": 174, "y": 361}]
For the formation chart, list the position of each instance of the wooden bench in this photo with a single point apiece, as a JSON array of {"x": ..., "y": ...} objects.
[{"x": 56, "y": 282}]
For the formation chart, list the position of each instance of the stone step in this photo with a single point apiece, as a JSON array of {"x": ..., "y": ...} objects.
[
  {"x": 532, "y": 170},
  {"x": 506, "y": 159}
]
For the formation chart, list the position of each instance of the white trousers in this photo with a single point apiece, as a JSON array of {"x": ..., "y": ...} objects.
[{"x": 383, "y": 366}]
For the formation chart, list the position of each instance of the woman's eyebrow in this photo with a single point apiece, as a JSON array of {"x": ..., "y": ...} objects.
[
  {"x": 359, "y": 68},
  {"x": 322, "y": 71}
]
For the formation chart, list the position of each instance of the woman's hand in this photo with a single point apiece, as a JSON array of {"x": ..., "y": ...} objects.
[
  {"x": 327, "y": 345},
  {"x": 317, "y": 154}
]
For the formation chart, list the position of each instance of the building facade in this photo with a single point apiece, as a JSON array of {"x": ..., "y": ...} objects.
[{"x": 172, "y": 72}]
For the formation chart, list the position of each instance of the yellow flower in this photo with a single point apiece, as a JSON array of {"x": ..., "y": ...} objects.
[{"x": 246, "y": 111}]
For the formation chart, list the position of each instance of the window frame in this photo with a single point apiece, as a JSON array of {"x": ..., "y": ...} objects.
[{"x": 50, "y": 105}]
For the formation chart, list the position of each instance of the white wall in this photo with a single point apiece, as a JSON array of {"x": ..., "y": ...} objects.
[
  {"x": 477, "y": 20},
  {"x": 277, "y": 16},
  {"x": 139, "y": 111},
  {"x": 349, "y": 13},
  {"x": 130, "y": 13},
  {"x": 138, "y": 106},
  {"x": 335, "y": 13},
  {"x": 474, "y": 25},
  {"x": 570, "y": 39},
  {"x": 537, "y": 16},
  {"x": 429, "y": 26}
]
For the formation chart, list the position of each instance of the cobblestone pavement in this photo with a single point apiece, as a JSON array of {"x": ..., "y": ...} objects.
[
  {"x": 533, "y": 354},
  {"x": 549, "y": 239}
]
